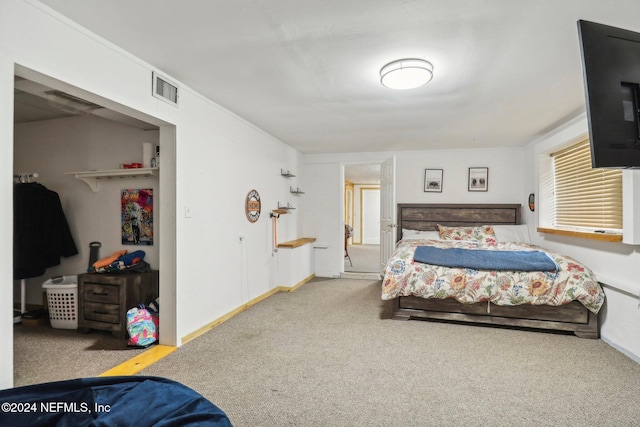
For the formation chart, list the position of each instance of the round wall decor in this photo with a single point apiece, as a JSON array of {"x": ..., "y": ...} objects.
[{"x": 252, "y": 206}]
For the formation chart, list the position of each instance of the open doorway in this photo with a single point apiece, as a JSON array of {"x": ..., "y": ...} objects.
[
  {"x": 83, "y": 125},
  {"x": 362, "y": 219}
]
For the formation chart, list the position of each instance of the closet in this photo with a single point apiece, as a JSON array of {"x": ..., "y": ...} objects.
[{"x": 58, "y": 140}]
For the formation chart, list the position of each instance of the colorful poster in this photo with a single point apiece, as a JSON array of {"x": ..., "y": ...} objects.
[{"x": 137, "y": 217}]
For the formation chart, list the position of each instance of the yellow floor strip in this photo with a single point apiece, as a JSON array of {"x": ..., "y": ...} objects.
[
  {"x": 157, "y": 352},
  {"x": 141, "y": 361}
]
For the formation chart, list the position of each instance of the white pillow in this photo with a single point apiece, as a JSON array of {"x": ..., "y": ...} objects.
[
  {"x": 512, "y": 233},
  {"x": 417, "y": 234}
]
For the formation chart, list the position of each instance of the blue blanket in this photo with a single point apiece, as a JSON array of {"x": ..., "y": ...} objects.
[{"x": 479, "y": 259}]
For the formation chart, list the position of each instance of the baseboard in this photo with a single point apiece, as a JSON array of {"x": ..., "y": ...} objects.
[
  {"x": 363, "y": 276},
  {"x": 622, "y": 350},
  {"x": 242, "y": 308},
  {"x": 297, "y": 285}
]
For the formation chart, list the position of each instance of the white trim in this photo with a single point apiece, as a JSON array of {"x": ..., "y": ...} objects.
[
  {"x": 631, "y": 290},
  {"x": 622, "y": 350}
]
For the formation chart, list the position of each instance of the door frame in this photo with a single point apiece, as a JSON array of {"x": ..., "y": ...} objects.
[
  {"x": 166, "y": 193},
  {"x": 343, "y": 165},
  {"x": 388, "y": 209}
]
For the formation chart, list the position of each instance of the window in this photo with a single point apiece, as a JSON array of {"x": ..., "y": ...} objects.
[{"x": 584, "y": 198}]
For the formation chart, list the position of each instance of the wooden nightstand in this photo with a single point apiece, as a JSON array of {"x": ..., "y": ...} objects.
[{"x": 103, "y": 299}]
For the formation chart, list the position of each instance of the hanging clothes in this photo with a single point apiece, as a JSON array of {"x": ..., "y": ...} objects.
[{"x": 41, "y": 234}]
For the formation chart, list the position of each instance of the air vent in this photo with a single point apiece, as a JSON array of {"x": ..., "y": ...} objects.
[
  {"x": 165, "y": 89},
  {"x": 69, "y": 103}
]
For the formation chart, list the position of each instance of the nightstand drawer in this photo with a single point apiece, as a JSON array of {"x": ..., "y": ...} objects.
[
  {"x": 108, "y": 313},
  {"x": 101, "y": 293},
  {"x": 105, "y": 298}
]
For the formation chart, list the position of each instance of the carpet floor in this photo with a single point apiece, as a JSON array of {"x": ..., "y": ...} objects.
[
  {"x": 364, "y": 259},
  {"x": 45, "y": 354},
  {"x": 327, "y": 354}
]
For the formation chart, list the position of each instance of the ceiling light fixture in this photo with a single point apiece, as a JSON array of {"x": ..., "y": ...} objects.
[{"x": 406, "y": 73}]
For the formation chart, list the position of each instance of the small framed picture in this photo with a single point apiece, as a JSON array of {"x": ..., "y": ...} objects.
[
  {"x": 478, "y": 179},
  {"x": 433, "y": 180}
]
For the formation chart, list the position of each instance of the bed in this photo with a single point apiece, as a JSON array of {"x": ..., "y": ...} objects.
[{"x": 567, "y": 299}]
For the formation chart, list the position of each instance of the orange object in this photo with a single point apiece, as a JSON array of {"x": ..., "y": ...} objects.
[{"x": 103, "y": 262}]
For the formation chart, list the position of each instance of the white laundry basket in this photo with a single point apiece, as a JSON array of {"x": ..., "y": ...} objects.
[{"x": 62, "y": 299}]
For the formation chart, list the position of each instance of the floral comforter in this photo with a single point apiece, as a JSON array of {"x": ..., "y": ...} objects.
[{"x": 573, "y": 281}]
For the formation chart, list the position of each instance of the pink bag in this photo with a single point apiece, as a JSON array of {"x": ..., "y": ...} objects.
[{"x": 142, "y": 326}]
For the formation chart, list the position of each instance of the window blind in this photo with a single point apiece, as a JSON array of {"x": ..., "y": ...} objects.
[{"x": 585, "y": 197}]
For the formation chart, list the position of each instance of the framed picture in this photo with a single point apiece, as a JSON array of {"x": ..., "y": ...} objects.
[
  {"x": 137, "y": 216},
  {"x": 478, "y": 179},
  {"x": 433, "y": 180}
]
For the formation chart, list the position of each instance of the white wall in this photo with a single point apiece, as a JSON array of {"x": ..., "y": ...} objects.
[
  {"x": 53, "y": 147},
  {"x": 323, "y": 204},
  {"x": 613, "y": 263},
  {"x": 506, "y": 177},
  {"x": 216, "y": 160}
]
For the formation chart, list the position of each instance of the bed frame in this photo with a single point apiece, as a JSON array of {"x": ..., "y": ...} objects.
[{"x": 573, "y": 317}]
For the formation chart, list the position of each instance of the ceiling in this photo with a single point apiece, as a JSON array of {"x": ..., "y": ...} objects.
[
  {"x": 307, "y": 71},
  {"x": 362, "y": 174},
  {"x": 34, "y": 102}
]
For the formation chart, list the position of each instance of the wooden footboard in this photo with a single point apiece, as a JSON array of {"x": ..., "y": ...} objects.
[{"x": 573, "y": 317}]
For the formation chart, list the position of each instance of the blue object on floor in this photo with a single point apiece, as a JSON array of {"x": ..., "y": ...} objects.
[{"x": 108, "y": 401}]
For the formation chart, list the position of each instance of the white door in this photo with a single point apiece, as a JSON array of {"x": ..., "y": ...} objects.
[
  {"x": 370, "y": 216},
  {"x": 387, "y": 209}
]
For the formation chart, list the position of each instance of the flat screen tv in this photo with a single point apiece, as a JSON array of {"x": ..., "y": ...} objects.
[{"x": 611, "y": 71}]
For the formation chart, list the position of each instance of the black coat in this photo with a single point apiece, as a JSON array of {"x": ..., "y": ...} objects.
[{"x": 41, "y": 233}]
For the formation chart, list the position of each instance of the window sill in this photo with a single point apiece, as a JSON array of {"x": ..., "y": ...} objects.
[{"x": 603, "y": 237}]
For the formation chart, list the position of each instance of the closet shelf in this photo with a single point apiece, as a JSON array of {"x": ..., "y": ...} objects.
[{"x": 91, "y": 178}]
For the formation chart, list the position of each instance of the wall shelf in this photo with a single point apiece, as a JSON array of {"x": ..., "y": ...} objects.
[
  {"x": 281, "y": 210},
  {"x": 295, "y": 190},
  {"x": 297, "y": 242},
  {"x": 91, "y": 178},
  {"x": 286, "y": 208},
  {"x": 286, "y": 174}
]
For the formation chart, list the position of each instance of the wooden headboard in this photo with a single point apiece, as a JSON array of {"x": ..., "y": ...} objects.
[{"x": 426, "y": 217}]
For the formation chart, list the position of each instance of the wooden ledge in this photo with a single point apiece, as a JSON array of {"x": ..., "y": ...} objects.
[
  {"x": 603, "y": 237},
  {"x": 298, "y": 242}
]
